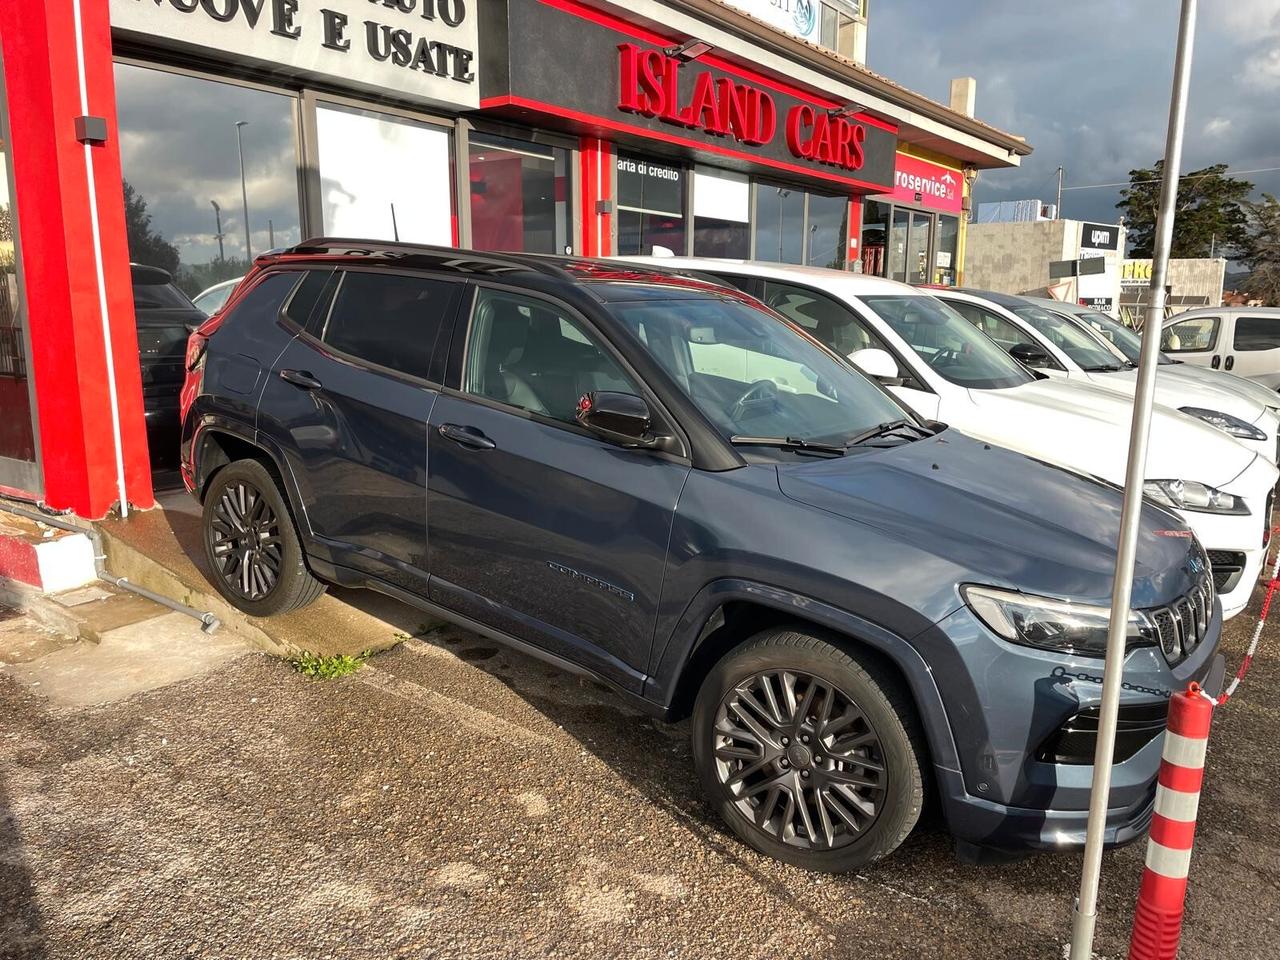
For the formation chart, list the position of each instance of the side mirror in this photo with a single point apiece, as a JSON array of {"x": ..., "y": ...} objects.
[
  {"x": 621, "y": 418},
  {"x": 1030, "y": 355},
  {"x": 878, "y": 364}
]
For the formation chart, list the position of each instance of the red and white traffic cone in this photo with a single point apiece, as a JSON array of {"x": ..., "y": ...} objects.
[{"x": 1157, "y": 923}]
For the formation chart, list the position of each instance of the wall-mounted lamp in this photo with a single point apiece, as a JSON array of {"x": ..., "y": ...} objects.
[
  {"x": 848, "y": 110},
  {"x": 689, "y": 50}
]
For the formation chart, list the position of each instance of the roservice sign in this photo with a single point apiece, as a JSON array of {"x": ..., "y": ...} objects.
[{"x": 928, "y": 184}]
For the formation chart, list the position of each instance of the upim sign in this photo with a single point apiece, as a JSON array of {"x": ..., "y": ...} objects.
[
  {"x": 649, "y": 85},
  {"x": 418, "y": 48}
]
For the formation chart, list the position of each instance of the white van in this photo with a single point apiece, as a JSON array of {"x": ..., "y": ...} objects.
[{"x": 1242, "y": 340}]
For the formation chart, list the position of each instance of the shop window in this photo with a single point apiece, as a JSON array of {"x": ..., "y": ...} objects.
[
  {"x": 208, "y": 186},
  {"x": 651, "y": 199},
  {"x": 946, "y": 254},
  {"x": 875, "y": 237},
  {"x": 519, "y": 196},
  {"x": 779, "y": 224},
  {"x": 384, "y": 177},
  {"x": 17, "y": 436},
  {"x": 721, "y": 215},
  {"x": 828, "y": 232}
]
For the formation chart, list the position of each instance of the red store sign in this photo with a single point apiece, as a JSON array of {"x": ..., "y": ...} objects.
[{"x": 928, "y": 184}]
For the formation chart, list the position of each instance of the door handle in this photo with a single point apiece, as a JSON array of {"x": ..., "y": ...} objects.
[
  {"x": 1231, "y": 362},
  {"x": 1216, "y": 362},
  {"x": 466, "y": 436},
  {"x": 300, "y": 378}
]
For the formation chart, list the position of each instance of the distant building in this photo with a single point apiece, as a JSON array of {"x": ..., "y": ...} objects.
[
  {"x": 1016, "y": 211},
  {"x": 836, "y": 25}
]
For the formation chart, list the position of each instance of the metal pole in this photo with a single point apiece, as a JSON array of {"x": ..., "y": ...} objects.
[
  {"x": 1057, "y": 210},
  {"x": 217, "y": 216},
  {"x": 244, "y": 192},
  {"x": 1086, "y": 906}
]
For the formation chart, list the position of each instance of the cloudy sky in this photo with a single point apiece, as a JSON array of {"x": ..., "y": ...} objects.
[{"x": 1088, "y": 83}]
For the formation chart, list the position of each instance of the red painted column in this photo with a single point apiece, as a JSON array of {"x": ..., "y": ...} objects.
[
  {"x": 855, "y": 232},
  {"x": 597, "y": 161},
  {"x": 68, "y": 362}
]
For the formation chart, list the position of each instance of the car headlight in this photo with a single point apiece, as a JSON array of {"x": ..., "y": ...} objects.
[
  {"x": 1226, "y": 423},
  {"x": 1197, "y": 497},
  {"x": 1058, "y": 625}
]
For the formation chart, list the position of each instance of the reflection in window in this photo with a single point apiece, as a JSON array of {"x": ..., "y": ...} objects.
[
  {"x": 828, "y": 231},
  {"x": 384, "y": 178},
  {"x": 184, "y": 202},
  {"x": 650, "y": 206},
  {"x": 779, "y": 224},
  {"x": 519, "y": 196},
  {"x": 948, "y": 245},
  {"x": 875, "y": 237},
  {"x": 17, "y": 440},
  {"x": 721, "y": 215}
]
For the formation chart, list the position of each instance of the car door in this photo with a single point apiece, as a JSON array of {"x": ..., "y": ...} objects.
[
  {"x": 537, "y": 527},
  {"x": 1255, "y": 348},
  {"x": 1197, "y": 340},
  {"x": 348, "y": 402},
  {"x": 1009, "y": 335}
]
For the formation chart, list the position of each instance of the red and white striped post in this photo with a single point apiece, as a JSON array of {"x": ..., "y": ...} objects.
[{"x": 1157, "y": 922}]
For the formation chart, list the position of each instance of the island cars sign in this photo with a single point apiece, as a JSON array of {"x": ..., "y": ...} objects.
[{"x": 420, "y": 49}]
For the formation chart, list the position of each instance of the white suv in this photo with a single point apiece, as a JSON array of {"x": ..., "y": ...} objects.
[{"x": 947, "y": 370}]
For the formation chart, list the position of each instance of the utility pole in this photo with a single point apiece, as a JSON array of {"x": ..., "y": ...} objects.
[
  {"x": 1086, "y": 907},
  {"x": 1057, "y": 210},
  {"x": 244, "y": 192},
  {"x": 217, "y": 218}
]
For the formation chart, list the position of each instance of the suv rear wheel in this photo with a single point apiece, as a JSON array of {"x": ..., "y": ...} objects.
[
  {"x": 251, "y": 544},
  {"x": 810, "y": 756}
]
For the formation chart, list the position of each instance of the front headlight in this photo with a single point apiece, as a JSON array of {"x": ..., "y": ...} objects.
[
  {"x": 1197, "y": 497},
  {"x": 1058, "y": 625},
  {"x": 1226, "y": 423}
]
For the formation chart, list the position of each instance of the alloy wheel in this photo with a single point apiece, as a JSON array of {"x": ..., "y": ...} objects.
[
  {"x": 799, "y": 759},
  {"x": 245, "y": 541}
]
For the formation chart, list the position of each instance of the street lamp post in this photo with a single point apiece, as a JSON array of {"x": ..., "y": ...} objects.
[
  {"x": 244, "y": 192},
  {"x": 217, "y": 217}
]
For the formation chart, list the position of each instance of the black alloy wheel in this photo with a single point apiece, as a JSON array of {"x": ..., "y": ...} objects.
[
  {"x": 246, "y": 546},
  {"x": 800, "y": 759}
]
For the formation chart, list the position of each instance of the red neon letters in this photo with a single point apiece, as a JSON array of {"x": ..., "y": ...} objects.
[{"x": 816, "y": 135}]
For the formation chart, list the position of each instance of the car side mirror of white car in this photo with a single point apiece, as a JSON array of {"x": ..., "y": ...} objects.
[{"x": 879, "y": 364}]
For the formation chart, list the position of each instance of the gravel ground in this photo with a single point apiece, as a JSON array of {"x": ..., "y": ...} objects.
[{"x": 456, "y": 800}]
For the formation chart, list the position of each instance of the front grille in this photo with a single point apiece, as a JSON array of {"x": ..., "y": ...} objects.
[
  {"x": 1227, "y": 566},
  {"x": 1075, "y": 740},
  {"x": 1183, "y": 624}
]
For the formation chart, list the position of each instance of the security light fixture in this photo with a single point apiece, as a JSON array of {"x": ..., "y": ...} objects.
[
  {"x": 689, "y": 50},
  {"x": 848, "y": 110}
]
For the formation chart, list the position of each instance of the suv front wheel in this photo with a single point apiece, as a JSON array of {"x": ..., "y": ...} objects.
[
  {"x": 253, "y": 550},
  {"x": 809, "y": 755}
]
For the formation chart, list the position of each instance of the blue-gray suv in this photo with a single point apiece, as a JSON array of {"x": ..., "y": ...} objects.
[{"x": 659, "y": 482}]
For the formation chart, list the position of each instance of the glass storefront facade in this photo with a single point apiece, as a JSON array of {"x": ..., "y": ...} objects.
[
  {"x": 520, "y": 195},
  {"x": 908, "y": 244},
  {"x": 651, "y": 205}
]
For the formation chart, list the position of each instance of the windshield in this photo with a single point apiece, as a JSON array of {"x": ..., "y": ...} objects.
[
  {"x": 1127, "y": 341},
  {"x": 159, "y": 296},
  {"x": 753, "y": 374},
  {"x": 949, "y": 343},
  {"x": 1076, "y": 343}
]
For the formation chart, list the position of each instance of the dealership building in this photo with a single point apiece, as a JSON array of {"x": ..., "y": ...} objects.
[{"x": 193, "y": 135}]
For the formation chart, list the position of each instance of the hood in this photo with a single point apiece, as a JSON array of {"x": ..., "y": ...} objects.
[
  {"x": 1000, "y": 517},
  {"x": 1086, "y": 429},
  {"x": 1176, "y": 391},
  {"x": 1223, "y": 381}
]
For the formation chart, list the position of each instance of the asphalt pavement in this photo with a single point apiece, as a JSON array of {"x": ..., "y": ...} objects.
[{"x": 453, "y": 799}]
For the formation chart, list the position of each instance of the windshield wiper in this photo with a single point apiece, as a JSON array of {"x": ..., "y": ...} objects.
[
  {"x": 789, "y": 443},
  {"x": 885, "y": 429}
]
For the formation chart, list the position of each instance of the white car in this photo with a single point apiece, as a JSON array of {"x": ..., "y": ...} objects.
[
  {"x": 1071, "y": 351},
  {"x": 213, "y": 299},
  {"x": 947, "y": 370},
  {"x": 1241, "y": 340}
]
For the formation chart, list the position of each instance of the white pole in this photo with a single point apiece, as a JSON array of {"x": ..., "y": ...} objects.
[{"x": 1086, "y": 906}]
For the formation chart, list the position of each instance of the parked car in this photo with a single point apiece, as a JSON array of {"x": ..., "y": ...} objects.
[
  {"x": 947, "y": 370},
  {"x": 1241, "y": 340},
  {"x": 1129, "y": 343},
  {"x": 1073, "y": 351},
  {"x": 583, "y": 461},
  {"x": 214, "y": 298},
  {"x": 164, "y": 318}
]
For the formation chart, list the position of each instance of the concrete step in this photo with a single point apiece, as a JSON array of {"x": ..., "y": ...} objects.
[{"x": 85, "y": 613}]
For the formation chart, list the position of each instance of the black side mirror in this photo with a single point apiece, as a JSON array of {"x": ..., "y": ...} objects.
[
  {"x": 621, "y": 418},
  {"x": 1029, "y": 355}
]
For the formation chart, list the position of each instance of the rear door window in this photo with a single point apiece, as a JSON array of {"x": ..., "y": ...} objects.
[
  {"x": 1257, "y": 333},
  {"x": 390, "y": 320}
]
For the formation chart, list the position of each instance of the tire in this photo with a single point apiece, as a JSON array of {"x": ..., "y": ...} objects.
[
  {"x": 243, "y": 505},
  {"x": 771, "y": 791}
]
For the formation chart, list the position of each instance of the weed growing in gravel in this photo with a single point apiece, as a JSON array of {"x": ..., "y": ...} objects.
[{"x": 328, "y": 668}]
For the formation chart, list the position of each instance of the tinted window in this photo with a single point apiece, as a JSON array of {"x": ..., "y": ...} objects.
[
  {"x": 1257, "y": 333},
  {"x": 996, "y": 327},
  {"x": 262, "y": 304},
  {"x": 389, "y": 320},
  {"x": 1078, "y": 344},
  {"x": 1190, "y": 335},
  {"x": 526, "y": 353},
  {"x": 159, "y": 296},
  {"x": 830, "y": 323},
  {"x": 752, "y": 375},
  {"x": 306, "y": 297},
  {"x": 948, "y": 343}
]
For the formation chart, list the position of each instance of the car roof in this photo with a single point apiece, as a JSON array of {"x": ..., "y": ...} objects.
[
  {"x": 851, "y": 284},
  {"x": 607, "y": 280},
  {"x": 141, "y": 273},
  {"x": 995, "y": 296}
]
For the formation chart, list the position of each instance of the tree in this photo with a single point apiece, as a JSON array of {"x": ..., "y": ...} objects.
[
  {"x": 1210, "y": 206},
  {"x": 145, "y": 245},
  {"x": 1260, "y": 251}
]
